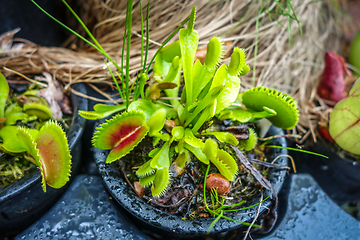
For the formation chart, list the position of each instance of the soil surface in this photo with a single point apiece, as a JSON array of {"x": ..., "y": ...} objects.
[{"x": 185, "y": 194}]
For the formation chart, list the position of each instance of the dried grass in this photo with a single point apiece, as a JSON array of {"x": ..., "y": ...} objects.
[{"x": 293, "y": 67}]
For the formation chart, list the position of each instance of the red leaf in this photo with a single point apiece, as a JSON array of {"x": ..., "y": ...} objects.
[
  {"x": 332, "y": 85},
  {"x": 121, "y": 134}
]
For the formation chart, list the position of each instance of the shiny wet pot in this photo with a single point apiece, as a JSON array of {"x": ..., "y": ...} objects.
[
  {"x": 23, "y": 201},
  {"x": 163, "y": 225},
  {"x": 338, "y": 175}
]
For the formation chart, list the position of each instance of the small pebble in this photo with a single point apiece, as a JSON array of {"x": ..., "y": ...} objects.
[{"x": 218, "y": 182}]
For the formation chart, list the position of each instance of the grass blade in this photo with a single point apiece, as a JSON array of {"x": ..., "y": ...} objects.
[
  {"x": 166, "y": 41},
  {"x": 115, "y": 81},
  {"x": 128, "y": 44},
  {"x": 95, "y": 45},
  {"x": 147, "y": 36},
  {"x": 66, "y": 27},
  {"x": 298, "y": 150},
  {"x": 142, "y": 37},
  {"x": 256, "y": 46}
]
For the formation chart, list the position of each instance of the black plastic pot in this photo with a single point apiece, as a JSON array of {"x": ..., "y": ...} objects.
[
  {"x": 160, "y": 224},
  {"x": 337, "y": 175},
  {"x": 23, "y": 201}
]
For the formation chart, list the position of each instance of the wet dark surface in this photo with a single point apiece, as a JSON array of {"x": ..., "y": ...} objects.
[
  {"x": 311, "y": 214},
  {"x": 87, "y": 211},
  {"x": 307, "y": 210},
  {"x": 338, "y": 177}
]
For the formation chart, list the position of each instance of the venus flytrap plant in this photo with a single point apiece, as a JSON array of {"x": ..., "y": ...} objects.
[
  {"x": 209, "y": 91},
  {"x": 196, "y": 110},
  {"x": 47, "y": 147}
]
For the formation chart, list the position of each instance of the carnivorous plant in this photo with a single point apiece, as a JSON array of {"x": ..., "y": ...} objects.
[
  {"x": 210, "y": 89},
  {"x": 344, "y": 122},
  {"x": 42, "y": 142}
]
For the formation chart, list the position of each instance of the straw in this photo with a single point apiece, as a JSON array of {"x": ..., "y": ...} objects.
[{"x": 292, "y": 67}]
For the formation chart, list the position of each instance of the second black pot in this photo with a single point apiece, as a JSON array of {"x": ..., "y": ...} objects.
[
  {"x": 23, "y": 201},
  {"x": 338, "y": 175}
]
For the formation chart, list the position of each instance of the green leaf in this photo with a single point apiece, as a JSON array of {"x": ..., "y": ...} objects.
[
  {"x": 344, "y": 123},
  {"x": 237, "y": 114},
  {"x": 173, "y": 72},
  {"x": 54, "y": 154},
  {"x": 208, "y": 113},
  {"x": 178, "y": 132},
  {"x": 165, "y": 57},
  {"x": 214, "y": 52},
  {"x": 4, "y": 92},
  {"x": 16, "y": 116},
  {"x": 210, "y": 148},
  {"x": 101, "y": 111},
  {"x": 120, "y": 134},
  {"x": 156, "y": 121},
  {"x": 153, "y": 152},
  {"x": 189, "y": 39},
  {"x": 228, "y": 75},
  {"x": 145, "y": 170},
  {"x": 231, "y": 168},
  {"x": 230, "y": 91},
  {"x": 147, "y": 107},
  {"x": 147, "y": 180},
  {"x": 167, "y": 67},
  {"x": 183, "y": 158},
  {"x": 25, "y": 136},
  {"x": 237, "y": 65},
  {"x": 162, "y": 158},
  {"x": 251, "y": 142},
  {"x": 12, "y": 108},
  {"x": 143, "y": 78},
  {"x": 245, "y": 116},
  {"x": 35, "y": 109},
  {"x": 255, "y": 99},
  {"x": 204, "y": 75},
  {"x": 224, "y": 137},
  {"x": 199, "y": 154},
  {"x": 174, "y": 77},
  {"x": 205, "y": 102},
  {"x": 224, "y": 162},
  {"x": 192, "y": 140},
  {"x": 11, "y": 143},
  {"x": 161, "y": 182}
]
